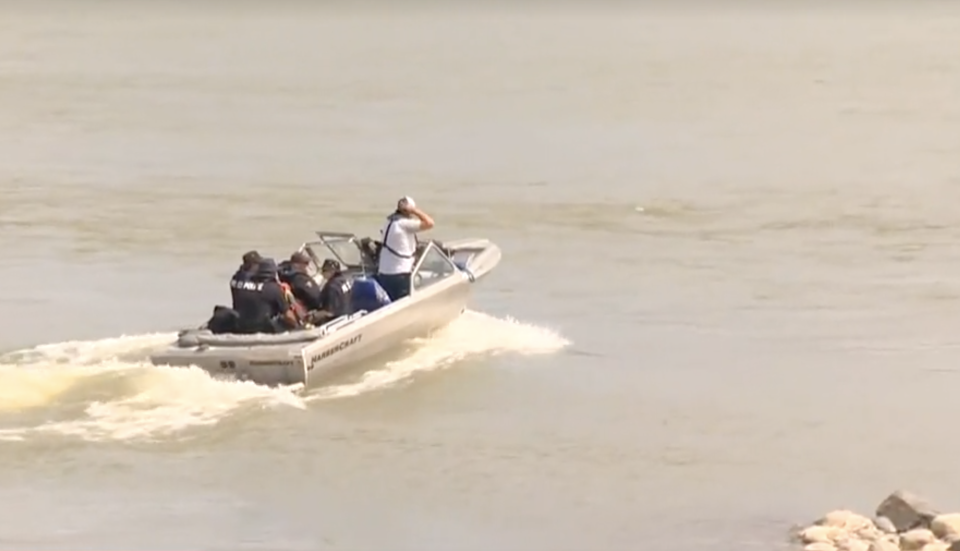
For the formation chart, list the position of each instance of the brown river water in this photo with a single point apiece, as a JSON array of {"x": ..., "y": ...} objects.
[{"x": 727, "y": 301}]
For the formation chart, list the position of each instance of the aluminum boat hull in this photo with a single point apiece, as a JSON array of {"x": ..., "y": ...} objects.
[{"x": 317, "y": 356}]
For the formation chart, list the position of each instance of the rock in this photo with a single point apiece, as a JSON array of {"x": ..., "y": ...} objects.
[
  {"x": 853, "y": 544},
  {"x": 884, "y": 525},
  {"x": 885, "y": 544},
  {"x": 820, "y": 546},
  {"x": 955, "y": 546},
  {"x": 869, "y": 533},
  {"x": 846, "y": 520},
  {"x": 936, "y": 546},
  {"x": 820, "y": 534},
  {"x": 916, "y": 539},
  {"x": 906, "y": 511},
  {"x": 946, "y": 527}
]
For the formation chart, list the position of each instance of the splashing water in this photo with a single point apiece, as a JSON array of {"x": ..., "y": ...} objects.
[
  {"x": 107, "y": 389},
  {"x": 474, "y": 333}
]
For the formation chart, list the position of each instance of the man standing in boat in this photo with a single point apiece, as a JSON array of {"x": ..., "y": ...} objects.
[{"x": 398, "y": 253}]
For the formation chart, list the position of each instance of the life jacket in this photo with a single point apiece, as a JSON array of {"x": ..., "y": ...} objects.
[{"x": 299, "y": 309}]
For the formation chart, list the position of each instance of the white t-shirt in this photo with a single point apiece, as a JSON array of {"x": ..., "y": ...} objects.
[{"x": 399, "y": 246}]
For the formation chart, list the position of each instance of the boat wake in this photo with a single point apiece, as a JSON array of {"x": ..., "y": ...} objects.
[
  {"x": 108, "y": 390},
  {"x": 473, "y": 334}
]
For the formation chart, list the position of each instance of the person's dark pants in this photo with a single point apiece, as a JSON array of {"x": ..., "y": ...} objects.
[{"x": 397, "y": 286}]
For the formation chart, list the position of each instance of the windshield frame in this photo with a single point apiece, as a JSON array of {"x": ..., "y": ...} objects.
[{"x": 344, "y": 247}]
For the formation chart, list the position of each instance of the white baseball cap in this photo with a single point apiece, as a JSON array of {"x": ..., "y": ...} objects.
[{"x": 408, "y": 200}]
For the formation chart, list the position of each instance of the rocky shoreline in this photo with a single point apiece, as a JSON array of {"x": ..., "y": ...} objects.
[{"x": 902, "y": 522}]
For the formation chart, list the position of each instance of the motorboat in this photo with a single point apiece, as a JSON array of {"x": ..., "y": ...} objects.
[{"x": 441, "y": 286}]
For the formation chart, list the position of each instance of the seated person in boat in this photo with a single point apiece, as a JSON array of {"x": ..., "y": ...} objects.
[
  {"x": 224, "y": 319},
  {"x": 304, "y": 288},
  {"x": 335, "y": 295},
  {"x": 262, "y": 306},
  {"x": 251, "y": 260},
  {"x": 299, "y": 310},
  {"x": 370, "y": 251}
]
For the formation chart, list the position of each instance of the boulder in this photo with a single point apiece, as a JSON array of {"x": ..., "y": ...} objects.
[
  {"x": 884, "y": 525},
  {"x": 868, "y": 533},
  {"x": 916, "y": 539},
  {"x": 936, "y": 546},
  {"x": 820, "y": 534},
  {"x": 852, "y": 544},
  {"x": 820, "y": 546},
  {"x": 885, "y": 544},
  {"x": 907, "y": 511},
  {"x": 846, "y": 520},
  {"x": 946, "y": 527}
]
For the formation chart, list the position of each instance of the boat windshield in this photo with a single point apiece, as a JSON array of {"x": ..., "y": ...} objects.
[
  {"x": 343, "y": 247},
  {"x": 346, "y": 251}
]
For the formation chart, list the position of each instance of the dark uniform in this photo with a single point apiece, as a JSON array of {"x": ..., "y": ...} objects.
[
  {"x": 284, "y": 271},
  {"x": 244, "y": 273},
  {"x": 335, "y": 295},
  {"x": 304, "y": 288},
  {"x": 260, "y": 302}
]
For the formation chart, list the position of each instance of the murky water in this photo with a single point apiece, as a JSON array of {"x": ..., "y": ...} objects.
[{"x": 727, "y": 300}]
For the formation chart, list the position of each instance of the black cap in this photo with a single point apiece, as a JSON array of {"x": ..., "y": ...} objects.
[
  {"x": 330, "y": 265},
  {"x": 252, "y": 257},
  {"x": 299, "y": 258}
]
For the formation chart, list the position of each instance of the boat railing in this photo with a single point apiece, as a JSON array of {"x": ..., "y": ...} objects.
[{"x": 338, "y": 323}]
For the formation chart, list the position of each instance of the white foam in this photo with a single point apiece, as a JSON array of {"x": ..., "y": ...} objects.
[
  {"x": 87, "y": 352},
  {"x": 107, "y": 390},
  {"x": 168, "y": 401},
  {"x": 473, "y": 334}
]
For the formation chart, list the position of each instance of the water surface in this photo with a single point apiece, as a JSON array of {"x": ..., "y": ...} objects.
[{"x": 726, "y": 303}]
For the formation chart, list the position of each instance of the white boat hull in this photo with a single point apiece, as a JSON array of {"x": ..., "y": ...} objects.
[{"x": 315, "y": 357}]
